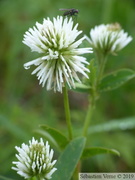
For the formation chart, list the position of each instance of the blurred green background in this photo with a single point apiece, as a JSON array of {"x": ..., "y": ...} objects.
[{"x": 24, "y": 104}]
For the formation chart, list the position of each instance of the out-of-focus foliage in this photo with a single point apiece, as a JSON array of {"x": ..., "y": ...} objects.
[{"x": 24, "y": 104}]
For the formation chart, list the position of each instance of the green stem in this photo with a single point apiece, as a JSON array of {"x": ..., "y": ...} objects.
[
  {"x": 94, "y": 94},
  {"x": 67, "y": 112},
  {"x": 102, "y": 59},
  {"x": 77, "y": 171},
  {"x": 88, "y": 117}
]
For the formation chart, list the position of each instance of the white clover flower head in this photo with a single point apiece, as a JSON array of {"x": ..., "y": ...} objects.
[
  {"x": 60, "y": 58},
  {"x": 108, "y": 38},
  {"x": 35, "y": 159}
]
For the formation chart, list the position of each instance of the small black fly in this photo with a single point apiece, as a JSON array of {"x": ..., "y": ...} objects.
[{"x": 70, "y": 12}]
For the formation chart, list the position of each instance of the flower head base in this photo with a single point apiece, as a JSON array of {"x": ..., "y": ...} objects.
[
  {"x": 108, "y": 38},
  {"x": 35, "y": 160},
  {"x": 60, "y": 60}
]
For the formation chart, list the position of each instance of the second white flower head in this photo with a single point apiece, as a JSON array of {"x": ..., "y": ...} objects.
[
  {"x": 60, "y": 56},
  {"x": 109, "y": 38}
]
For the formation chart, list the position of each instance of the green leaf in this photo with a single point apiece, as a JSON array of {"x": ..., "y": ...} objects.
[
  {"x": 82, "y": 88},
  {"x": 88, "y": 84},
  {"x": 116, "y": 79},
  {"x": 118, "y": 124},
  {"x": 53, "y": 136},
  {"x": 69, "y": 159},
  {"x": 89, "y": 152}
]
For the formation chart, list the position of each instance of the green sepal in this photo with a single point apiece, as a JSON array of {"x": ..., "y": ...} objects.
[{"x": 33, "y": 178}]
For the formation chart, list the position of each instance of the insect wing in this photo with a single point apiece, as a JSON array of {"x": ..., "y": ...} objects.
[{"x": 65, "y": 9}]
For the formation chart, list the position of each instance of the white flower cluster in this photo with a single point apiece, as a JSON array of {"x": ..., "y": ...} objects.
[
  {"x": 60, "y": 56},
  {"x": 108, "y": 38},
  {"x": 35, "y": 159}
]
